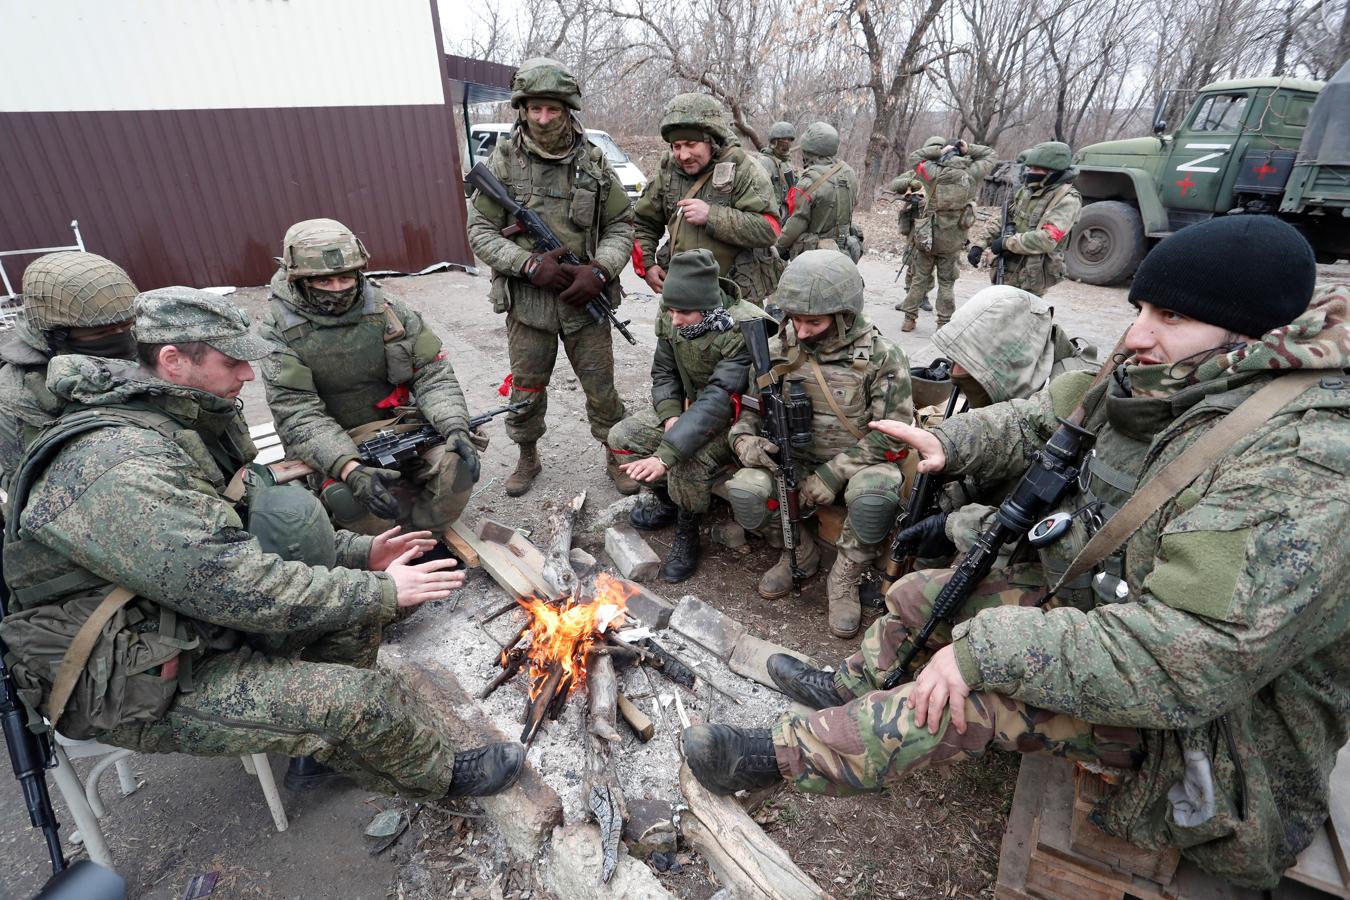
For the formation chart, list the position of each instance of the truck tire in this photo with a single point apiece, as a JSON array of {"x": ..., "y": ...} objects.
[{"x": 1107, "y": 244}]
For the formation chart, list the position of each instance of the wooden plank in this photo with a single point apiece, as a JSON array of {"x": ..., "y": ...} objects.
[
  {"x": 499, "y": 564},
  {"x": 1087, "y": 839},
  {"x": 523, "y": 555},
  {"x": 463, "y": 549},
  {"x": 1015, "y": 852},
  {"x": 637, "y": 720},
  {"x": 1323, "y": 863}
]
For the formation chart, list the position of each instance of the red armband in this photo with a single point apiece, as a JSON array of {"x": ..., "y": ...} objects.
[
  {"x": 399, "y": 396},
  {"x": 773, "y": 221},
  {"x": 639, "y": 261},
  {"x": 1054, "y": 232}
]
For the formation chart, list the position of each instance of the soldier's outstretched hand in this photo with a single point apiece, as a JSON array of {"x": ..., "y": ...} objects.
[
  {"x": 655, "y": 278},
  {"x": 940, "y": 685},
  {"x": 390, "y": 545},
  {"x": 416, "y": 584},
  {"x": 929, "y": 447}
]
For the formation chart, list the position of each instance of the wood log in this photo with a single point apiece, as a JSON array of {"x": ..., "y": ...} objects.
[
  {"x": 746, "y": 860},
  {"x": 604, "y": 796},
  {"x": 603, "y": 688},
  {"x": 537, "y": 709},
  {"x": 557, "y": 572},
  {"x": 637, "y": 720}
]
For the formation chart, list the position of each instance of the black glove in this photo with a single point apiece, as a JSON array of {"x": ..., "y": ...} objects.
[
  {"x": 466, "y": 452},
  {"x": 367, "y": 484},
  {"x": 544, "y": 270},
  {"x": 974, "y": 254},
  {"x": 996, "y": 247},
  {"x": 930, "y": 535},
  {"x": 588, "y": 282}
]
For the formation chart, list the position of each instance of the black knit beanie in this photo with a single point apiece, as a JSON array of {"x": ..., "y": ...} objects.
[
  {"x": 691, "y": 282},
  {"x": 1247, "y": 274}
]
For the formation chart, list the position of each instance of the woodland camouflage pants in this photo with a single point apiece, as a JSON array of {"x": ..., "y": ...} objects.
[
  {"x": 872, "y": 741},
  {"x": 690, "y": 480}
]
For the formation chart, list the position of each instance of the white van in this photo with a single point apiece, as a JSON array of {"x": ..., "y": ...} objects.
[{"x": 482, "y": 138}]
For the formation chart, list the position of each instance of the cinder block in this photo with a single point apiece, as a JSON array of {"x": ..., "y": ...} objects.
[
  {"x": 706, "y": 626},
  {"x": 752, "y": 654},
  {"x": 630, "y": 554},
  {"x": 652, "y": 609}
]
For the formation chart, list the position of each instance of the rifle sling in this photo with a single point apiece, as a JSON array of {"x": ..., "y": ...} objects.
[
  {"x": 775, "y": 374},
  {"x": 77, "y": 654},
  {"x": 858, "y": 433},
  {"x": 678, "y": 219}
]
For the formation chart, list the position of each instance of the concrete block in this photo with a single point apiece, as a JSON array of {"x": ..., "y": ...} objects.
[
  {"x": 751, "y": 655},
  {"x": 649, "y": 828},
  {"x": 630, "y": 554},
  {"x": 652, "y": 609},
  {"x": 573, "y": 869},
  {"x": 706, "y": 626}
]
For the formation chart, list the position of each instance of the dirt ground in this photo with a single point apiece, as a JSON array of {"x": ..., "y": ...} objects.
[{"x": 936, "y": 834}]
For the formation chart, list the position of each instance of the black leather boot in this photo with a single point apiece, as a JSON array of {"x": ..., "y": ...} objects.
[
  {"x": 655, "y": 511},
  {"x": 727, "y": 759},
  {"x": 486, "y": 770},
  {"x": 810, "y": 687},
  {"x": 306, "y": 773},
  {"x": 684, "y": 551}
]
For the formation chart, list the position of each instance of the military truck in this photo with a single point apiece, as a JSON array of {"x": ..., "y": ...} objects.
[{"x": 1258, "y": 146}]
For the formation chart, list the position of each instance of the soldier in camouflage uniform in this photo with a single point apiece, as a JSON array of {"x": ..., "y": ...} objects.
[
  {"x": 853, "y": 376},
  {"x": 820, "y": 207},
  {"x": 701, "y": 360},
  {"x": 1210, "y": 657},
  {"x": 947, "y": 175},
  {"x": 777, "y": 161},
  {"x": 1043, "y": 212},
  {"x": 125, "y": 514},
  {"x": 710, "y": 194},
  {"x": 348, "y": 359},
  {"x": 548, "y": 165},
  {"x": 73, "y": 302}
]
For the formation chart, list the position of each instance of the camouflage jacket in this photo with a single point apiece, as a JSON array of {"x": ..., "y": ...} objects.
[
  {"x": 868, "y": 377},
  {"x": 950, "y": 190},
  {"x": 328, "y": 373},
  {"x": 1042, "y": 218},
  {"x": 819, "y": 211},
  {"x": 580, "y": 198},
  {"x": 126, "y": 505},
  {"x": 707, "y": 371},
  {"x": 1236, "y": 623},
  {"x": 743, "y": 218},
  {"x": 781, "y": 176},
  {"x": 25, "y": 403}
]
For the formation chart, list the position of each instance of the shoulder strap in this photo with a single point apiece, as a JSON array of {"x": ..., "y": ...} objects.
[
  {"x": 834, "y": 407},
  {"x": 829, "y": 173},
  {"x": 1181, "y": 471},
  {"x": 77, "y": 654},
  {"x": 39, "y": 454},
  {"x": 678, "y": 220}
]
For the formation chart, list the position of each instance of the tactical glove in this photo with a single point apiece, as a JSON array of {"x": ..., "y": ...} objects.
[
  {"x": 755, "y": 451},
  {"x": 930, "y": 535},
  {"x": 973, "y": 255},
  {"x": 588, "y": 282},
  {"x": 814, "y": 492},
  {"x": 367, "y": 484},
  {"x": 996, "y": 247},
  {"x": 544, "y": 270},
  {"x": 468, "y": 454}
]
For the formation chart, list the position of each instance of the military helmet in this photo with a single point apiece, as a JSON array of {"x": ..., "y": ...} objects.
[
  {"x": 818, "y": 283},
  {"x": 545, "y": 78},
  {"x": 321, "y": 247},
  {"x": 1053, "y": 155},
  {"x": 782, "y": 131},
  {"x": 819, "y": 139},
  {"x": 74, "y": 289},
  {"x": 698, "y": 111}
]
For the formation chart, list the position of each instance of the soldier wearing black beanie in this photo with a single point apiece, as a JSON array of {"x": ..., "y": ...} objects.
[{"x": 1248, "y": 274}]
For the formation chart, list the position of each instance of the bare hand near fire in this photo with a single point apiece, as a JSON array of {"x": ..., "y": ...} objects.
[
  {"x": 392, "y": 544},
  {"x": 416, "y": 584},
  {"x": 648, "y": 470}
]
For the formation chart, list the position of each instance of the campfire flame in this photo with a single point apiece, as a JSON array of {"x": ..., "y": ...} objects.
[{"x": 561, "y": 635}]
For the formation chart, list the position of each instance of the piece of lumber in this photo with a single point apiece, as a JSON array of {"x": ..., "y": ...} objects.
[
  {"x": 637, "y": 720},
  {"x": 746, "y": 860},
  {"x": 463, "y": 549},
  {"x": 1089, "y": 840},
  {"x": 1322, "y": 864},
  {"x": 511, "y": 564},
  {"x": 604, "y": 795}
]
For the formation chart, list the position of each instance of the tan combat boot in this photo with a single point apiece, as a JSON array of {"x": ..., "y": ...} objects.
[
  {"x": 527, "y": 467},
  {"x": 626, "y": 485},
  {"x": 776, "y": 583},
  {"x": 910, "y": 324},
  {"x": 842, "y": 590}
]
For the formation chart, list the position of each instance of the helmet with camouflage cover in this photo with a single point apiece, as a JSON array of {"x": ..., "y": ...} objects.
[
  {"x": 1053, "y": 155},
  {"x": 699, "y": 112},
  {"x": 819, "y": 139},
  {"x": 321, "y": 247},
  {"x": 782, "y": 131},
  {"x": 74, "y": 289},
  {"x": 545, "y": 78},
  {"x": 820, "y": 283}
]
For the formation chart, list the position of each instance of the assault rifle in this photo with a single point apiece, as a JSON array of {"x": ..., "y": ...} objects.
[
  {"x": 1053, "y": 470},
  {"x": 543, "y": 238},
  {"x": 1009, "y": 229},
  {"x": 389, "y": 447},
  {"x": 923, "y": 502}
]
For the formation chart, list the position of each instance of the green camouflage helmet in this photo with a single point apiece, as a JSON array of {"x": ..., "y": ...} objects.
[
  {"x": 698, "y": 111},
  {"x": 782, "y": 131},
  {"x": 544, "y": 78},
  {"x": 74, "y": 289},
  {"x": 819, "y": 283},
  {"x": 321, "y": 247},
  {"x": 1053, "y": 155},
  {"x": 819, "y": 139}
]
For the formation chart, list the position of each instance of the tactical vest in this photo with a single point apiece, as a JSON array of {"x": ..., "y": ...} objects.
[
  {"x": 1040, "y": 271},
  {"x": 845, "y": 375},
  {"x": 831, "y": 215}
]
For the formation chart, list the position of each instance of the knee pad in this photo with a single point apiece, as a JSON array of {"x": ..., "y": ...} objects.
[
  {"x": 749, "y": 491},
  {"x": 872, "y": 515}
]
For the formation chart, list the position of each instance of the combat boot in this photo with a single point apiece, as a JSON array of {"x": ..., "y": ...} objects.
[
  {"x": 684, "y": 551},
  {"x": 842, "y": 590},
  {"x": 810, "y": 687},
  {"x": 306, "y": 773},
  {"x": 726, "y": 759},
  {"x": 776, "y": 583},
  {"x": 486, "y": 770},
  {"x": 656, "y": 513},
  {"x": 527, "y": 468},
  {"x": 925, "y": 305},
  {"x": 622, "y": 481},
  {"x": 941, "y": 321},
  {"x": 910, "y": 324}
]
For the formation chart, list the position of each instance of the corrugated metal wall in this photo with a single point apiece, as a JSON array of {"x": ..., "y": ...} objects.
[{"x": 202, "y": 196}]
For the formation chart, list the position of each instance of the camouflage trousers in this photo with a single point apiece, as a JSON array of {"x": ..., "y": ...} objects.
[
  {"x": 872, "y": 741},
  {"x": 325, "y": 700},
  {"x": 690, "y": 480},
  {"x": 920, "y": 282},
  {"x": 533, "y": 354},
  {"x": 432, "y": 493}
]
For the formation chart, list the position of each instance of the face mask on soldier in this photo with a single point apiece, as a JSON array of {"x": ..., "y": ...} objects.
[
  {"x": 329, "y": 302},
  {"x": 1031, "y": 177},
  {"x": 114, "y": 345},
  {"x": 975, "y": 394}
]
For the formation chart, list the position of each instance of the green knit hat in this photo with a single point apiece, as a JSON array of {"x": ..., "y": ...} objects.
[{"x": 691, "y": 282}]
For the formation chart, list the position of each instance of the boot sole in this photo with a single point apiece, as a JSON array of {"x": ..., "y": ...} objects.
[
  {"x": 512, "y": 491},
  {"x": 845, "y": 635}
]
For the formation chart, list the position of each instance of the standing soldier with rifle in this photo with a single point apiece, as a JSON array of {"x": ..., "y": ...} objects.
[
  {"x": 949, "y": 175},
  {"x": 834, "y": 355},
  {"x": 347, "y": 360},
  {"x": 1196, "y": 631},
  {"x": 700, "y": 370},
  {"x": 820, "y": 206},
  {"x": 777, "y": 161},
  {"x": 548, "y": 166},
  {"x": 1026, "y": 248}
]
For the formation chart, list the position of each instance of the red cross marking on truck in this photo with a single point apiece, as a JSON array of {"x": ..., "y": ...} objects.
[
  {"x": 1186, "y": 184},
  {"x": 1263, "y": 170}
]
